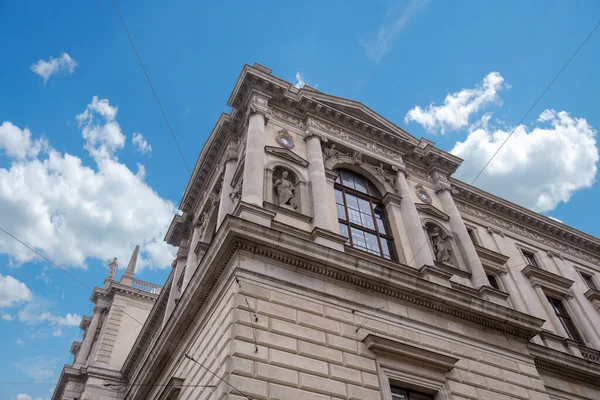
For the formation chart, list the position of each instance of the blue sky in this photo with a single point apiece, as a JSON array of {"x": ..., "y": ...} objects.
[{"x": 77, "y": 187}]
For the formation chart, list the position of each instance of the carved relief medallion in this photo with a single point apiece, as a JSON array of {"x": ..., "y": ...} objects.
[
  {"x": 422, "y": 194},
  {"x": 284, "y": 139}
]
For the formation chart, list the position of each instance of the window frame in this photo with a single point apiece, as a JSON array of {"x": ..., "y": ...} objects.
[
  {"x": 562, "y": 317},
  {"x": 472, "y": 235},
  {"x": 410, "y": 393},
  {"x": 530, "y": 256},
  {"x": 588, "y": 279},
  {"x": 374, "y": 201},
  {"x": 494, "y": 278}
]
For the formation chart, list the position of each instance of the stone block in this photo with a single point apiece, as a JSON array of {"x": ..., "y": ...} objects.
[
  {"x": 345, "y": 374},
  {"x": 252, "y": 290},
  {"x": 360, "y": 393},
  {"x": 241, "y": 366},
  {"x": 370, "y": 381},
  {"x": 318, "y": 322},
  {"x": 296, "y": 302},
  {"x": 533, "y": 395},
  {"x": 320, "y": 352},
  {"x": 529, "y": 370},
  {"x": 276, "y": 310},
  {"x": 461, "y": 389},
  {"x": 462, "y": 351},
  {"x": 248, "y": 350},
  {"x": 364, "y": 351},
  {"x": 297, "y": 331},
  {"x": 349, "y": 331},
  {"x": 248, "y": 386},
  {"x": 484, "y": 369},
  {"x": 506, "y": 388},
  {"x": 430, "y": 341},
  {"x": 340, "y": 343},
  {"x": 339, "y": 315},
  {"x": 247, "y": 318},
  {"x": 487, "y": 395},
  {"x": 472, "y": 379},
  {"x": 517, "y": 378},
  {"x": 404, "y": 334},
  {"x": 276, "y": 341},
  {"x": 322, "y": 385},
  {"x": 358, "y": 362},
  {"x": 300, "y": 363},
  {"x": 278, "y": 392},
  {"x": 498, "y": 361},
  {"x": 271, "y": 373}
]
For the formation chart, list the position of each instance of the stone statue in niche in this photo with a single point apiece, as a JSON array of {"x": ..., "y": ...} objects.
[
  {"x": 331, "y": 152},
  {"x": 441, "y": 245},
  {"x": 285, "y": 190}
]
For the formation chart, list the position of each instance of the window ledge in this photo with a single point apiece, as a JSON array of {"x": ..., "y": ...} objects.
[
  {"x": 393, "y": 349},
  {"x": 287, "y": 211},
  {"x": 493, "y": 261},
  {"x": 553, "y": 285}
]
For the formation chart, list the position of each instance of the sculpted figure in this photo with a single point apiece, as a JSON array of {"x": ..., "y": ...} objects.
[
  {"x": 331, "y": 152},
  {"x": 285, "y": 190},
  {"x": 112, "y": 268},
  {"x": 441, "y": 245},
  {"x": 237, "y": 192}
]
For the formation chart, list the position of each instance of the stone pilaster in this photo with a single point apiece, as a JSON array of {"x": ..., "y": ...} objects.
[
  {"x": 254, "y": 164},
  {"x": 421, "y": 254},
  {"x": 459, "y": 231},
  {"x": 225, "y": 204},
  {"x": 583, "y": 323},
  {"x": 549, "y": 311},
  {"x": 88, "y": 341},
  {"x": 318, "y": 182}
]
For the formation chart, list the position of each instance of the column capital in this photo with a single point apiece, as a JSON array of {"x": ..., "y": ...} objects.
[
  {"x": 310, "y": 133},
  {"x": 441, "y": 186},
  {"x": 399, "y": 168}
]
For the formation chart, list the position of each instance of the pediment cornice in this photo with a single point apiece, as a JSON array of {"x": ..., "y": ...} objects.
[
  {"x": 524, "y": 222},
  {"x": 286, "y": 154},
  {"x": 551, "y": 283},
  {"x": 432, "y": 211},
  {"x": 567, "y": 365}
]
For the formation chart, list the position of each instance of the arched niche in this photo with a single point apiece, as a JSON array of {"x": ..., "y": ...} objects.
[
  {"x": 441, "y": 243},
  {"x": 286, "y": 187}
]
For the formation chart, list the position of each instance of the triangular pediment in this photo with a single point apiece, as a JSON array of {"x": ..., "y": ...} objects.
[
  {"x": 361, "y": 112},
  {"x": 432, "y": 211},
  {"x": 286, "y": 154}
]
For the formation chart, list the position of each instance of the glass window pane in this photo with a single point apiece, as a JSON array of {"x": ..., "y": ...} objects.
[
  {"x": 364, "y": 206},
  {"x": 341, "y": 211},
  {"x": 347, "y": 179},
  {"x": 372, "y": 243},
  {"x": 399, "y": 394},
  {"x": 354, "y": 216},
  {"x": 358, "y": 239},
  {"x": 352, "y": 201},
  {"x": 381, "y": 226},
  {"x": 344, "y": 230},
  {"x": 339, "y": 197},
  {"x": 571, "y": 330},
  {"x": 373, "y": 190},
  {"x": 367, "y": 221},
  {"x": 360, "y": 184},
  {"x": 388, "y": 249}
]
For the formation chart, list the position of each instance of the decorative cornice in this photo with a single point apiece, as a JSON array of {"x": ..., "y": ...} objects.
[
  {"x": 521, "y": 221},
  {"x": 492, "y": 261},
  {"x": 432, "y": 211},
  {"x": 553, "y": 285},
  {"x": 287, "y": 155},
  {"x": 563, "y": 364},
  {"x": 389, "y": 348}
]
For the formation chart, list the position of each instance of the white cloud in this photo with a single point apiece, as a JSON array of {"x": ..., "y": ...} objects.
[
  {"x": 57, "y": 333},
  {"x": 555, "y": 219},
  {"x": 22, "y": 396},
  {"x": 71, "y": 212},
  {"x": 18, "y": 341},
  {"x": 394, "y": 22},
  {"x": 538, "y": 167},
  {"x": 44, "y": 278},
  {"x": 17, "y": 143},
  {"x": 101, "y": 131},
  {"x": 12, "y": 292},
  {"x": 40, "y": 368},
  {"x": 7, "y": 317},
  {"x": 458, "y": 107},
  {"x": 38, "y": 311},
  {"x": 46, "y": 69},
  {"x": 300, "y": 82},
  {"x": 140, "y": 143}
]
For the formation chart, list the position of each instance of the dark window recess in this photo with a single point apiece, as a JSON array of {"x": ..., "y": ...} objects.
[
  {"x": 361, "y": 215},
  {"x": 565, "y": 319},
  {"x": 493, "y": 282},
  {"x": 471, "y": 233},
  {"x": 180, "y": 280},
  {"x": 589, "y": 281},
  {"x": 530, "y": 258},
  {"x": 406, "y": 394}
]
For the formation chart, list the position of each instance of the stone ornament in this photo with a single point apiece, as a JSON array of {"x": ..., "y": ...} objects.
[
  {"x": 285, "y": 189},
  {"x": 237, "y": 192},
  {"x": 423, "y": 194},
  {"x": 113, "y": 266},
  {"x": 284, "y": 139},
  {"x": 442, "y": 247},
  {"x": 357, "y": 157},
  {"x": 332, "y": 152}
]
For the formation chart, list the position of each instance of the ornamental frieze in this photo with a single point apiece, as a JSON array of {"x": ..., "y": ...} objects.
[{"x": 530, "y": 234}]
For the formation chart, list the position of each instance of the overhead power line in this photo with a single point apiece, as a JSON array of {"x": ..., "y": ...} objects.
[{"x": 151, "y": 86}]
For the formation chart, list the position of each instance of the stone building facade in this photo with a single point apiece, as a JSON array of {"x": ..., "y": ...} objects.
[{"x": 325, "y": 253}]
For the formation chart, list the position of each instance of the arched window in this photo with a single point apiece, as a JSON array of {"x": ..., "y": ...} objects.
[{"x": 361, "y": 215}]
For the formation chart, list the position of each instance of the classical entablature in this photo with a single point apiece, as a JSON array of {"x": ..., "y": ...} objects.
[{"x": 513, "y": 218}]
